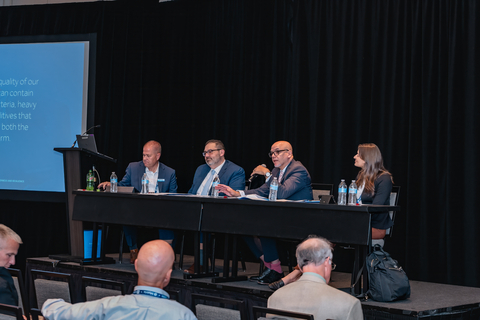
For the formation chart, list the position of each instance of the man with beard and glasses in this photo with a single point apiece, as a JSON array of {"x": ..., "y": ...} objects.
[{"x": 215, "y": 164}]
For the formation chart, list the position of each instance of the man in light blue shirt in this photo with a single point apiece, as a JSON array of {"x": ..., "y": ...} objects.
[{"x": 148, "y": 301}]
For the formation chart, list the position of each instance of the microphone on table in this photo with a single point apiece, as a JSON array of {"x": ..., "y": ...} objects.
[
  {"x": 256, "y": 175},
  {"x": 74, "y": 142}
]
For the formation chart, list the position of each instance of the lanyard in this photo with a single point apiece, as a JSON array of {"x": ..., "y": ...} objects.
[{"x": 151, "y": 293}]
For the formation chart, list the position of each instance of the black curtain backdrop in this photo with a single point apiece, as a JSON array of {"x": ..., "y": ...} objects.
[{"x": 325, "y": 75}]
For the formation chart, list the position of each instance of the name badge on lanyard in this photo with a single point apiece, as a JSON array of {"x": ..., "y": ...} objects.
[{"x": 151, "y": 293}]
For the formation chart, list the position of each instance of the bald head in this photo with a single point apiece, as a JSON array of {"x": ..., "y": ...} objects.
[
  {"x": 283, "y": 145},
  {"x": 151, "y": 154},
  {"x": 154, "y": 145},
  {"x": 154, "y": 264},
  {"x": 281, "y": 153}
]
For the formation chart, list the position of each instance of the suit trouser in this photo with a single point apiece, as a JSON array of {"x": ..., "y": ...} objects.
[
  {"x": 131, "y": 235},
  {"x": 268, "y": 250}
]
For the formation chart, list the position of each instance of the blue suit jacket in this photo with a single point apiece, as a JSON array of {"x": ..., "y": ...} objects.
[
  {"x": 295, "y": 185},
  {"x": 230, "y": 175},
  {"x": 167, "y": 180}
]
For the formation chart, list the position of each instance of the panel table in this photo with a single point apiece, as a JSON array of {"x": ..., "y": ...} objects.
[{"x": 284, "y": 220}]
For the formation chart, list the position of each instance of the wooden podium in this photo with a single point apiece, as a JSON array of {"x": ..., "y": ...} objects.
[{"x": 74, "y": 160}]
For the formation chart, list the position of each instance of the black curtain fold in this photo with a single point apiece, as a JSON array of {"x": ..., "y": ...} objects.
[{"x": 325, "y": 75}]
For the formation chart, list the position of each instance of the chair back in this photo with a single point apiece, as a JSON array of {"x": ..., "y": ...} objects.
[
  {"x": 215, "y": 308},
  {"x": 321, "y": 189},
  {"x": 394, "y": 196},
  {"x": 174, "y": 294},
  {"x": 50, "y": 285},
  {"x": 96, "y": 288},
  {"x": 20, "y": 286},
  {"x": 257, "y": 311},
  {"x": 8, "y": 312},
  {"x": 255, "y": 182},
  {"x": 36, "y": 314}
]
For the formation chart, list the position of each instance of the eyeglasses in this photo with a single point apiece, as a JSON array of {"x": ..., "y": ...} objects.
[
  {"x": 276, "y": 153},
  {"x": 333, "y": 265},
  {"x": 305, "y": 262},
  {"x": 204, "y": 153}
]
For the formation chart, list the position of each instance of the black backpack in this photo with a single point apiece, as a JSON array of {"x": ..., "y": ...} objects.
[{"x": 387, "y": 280}]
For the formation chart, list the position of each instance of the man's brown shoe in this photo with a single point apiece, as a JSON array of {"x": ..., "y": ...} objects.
[
  {"x": 190, "y": 270},
  {"x": 133, "y": 255}
]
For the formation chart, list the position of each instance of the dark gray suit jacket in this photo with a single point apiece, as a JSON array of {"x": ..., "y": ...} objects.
[{"x": 295, "y": 185}]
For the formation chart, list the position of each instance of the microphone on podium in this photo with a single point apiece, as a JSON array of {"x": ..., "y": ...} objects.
[{"x": 74, "y": 142}]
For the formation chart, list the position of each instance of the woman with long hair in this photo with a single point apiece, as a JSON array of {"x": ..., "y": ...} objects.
[{"x": 374, "y": 187}]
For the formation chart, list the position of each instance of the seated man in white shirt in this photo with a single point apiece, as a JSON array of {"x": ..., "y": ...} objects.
[
  {"x": 311, "y": 293},
  {"x": 228, "y": 172},
  {"x": 148, "y": 301},
  {"x": 161, "y": 178}
]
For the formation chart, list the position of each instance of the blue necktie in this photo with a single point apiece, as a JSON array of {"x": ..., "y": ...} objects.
[{"x": 206, "y": 187}]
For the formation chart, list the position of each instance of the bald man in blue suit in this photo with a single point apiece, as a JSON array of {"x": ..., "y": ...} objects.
[
  {"x": 161, "y": 179},
  {"x": 229, "y": 173},
  {"x": 294, "y": 183}
]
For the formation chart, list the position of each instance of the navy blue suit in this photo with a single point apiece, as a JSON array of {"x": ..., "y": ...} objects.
[
  {"x": 166, "y": 182},
  {"x": 230, "y": 175},
  {"x": 295, "y": 185}
]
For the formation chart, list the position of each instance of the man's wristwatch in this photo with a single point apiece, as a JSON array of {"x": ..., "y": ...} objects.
[{"x": 267, "y": 175}]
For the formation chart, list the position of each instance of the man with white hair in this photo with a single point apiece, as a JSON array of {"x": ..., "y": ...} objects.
[
  {"x": 9, "y": 244},
  {"x": 148, "y": 301},
  {"x": 311, "y": 293}
]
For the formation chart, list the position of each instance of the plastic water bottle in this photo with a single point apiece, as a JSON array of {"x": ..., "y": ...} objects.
[
  {"x": 273, "y": 190},
  {"x": 352, "y": 194},
  {"x": 113, "y": 183},
  {"x": 216, "y": 181},
  {"x": 90, "y": 181},
  {"x": 144, "y": 184},
  {"x": 342, "y": 193}
]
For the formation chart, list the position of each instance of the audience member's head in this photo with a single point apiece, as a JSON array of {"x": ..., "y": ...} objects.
[
  {"x": 315, "y": 255},
  {"x": 10, "y": 241},
  {"x": 154, "y": 264}
]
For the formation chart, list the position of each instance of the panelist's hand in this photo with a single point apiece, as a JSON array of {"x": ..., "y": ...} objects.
[
  {"x": 261, "y": 170},
  {"x": 104, "y": 185},
  {"x": 227, "y": 190}
]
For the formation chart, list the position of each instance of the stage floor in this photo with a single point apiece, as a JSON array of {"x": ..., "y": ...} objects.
[{"x": 427, "y": 299}]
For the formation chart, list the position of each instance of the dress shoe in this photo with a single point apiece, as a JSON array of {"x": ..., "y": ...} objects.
[
  {"x": 133, "y": 255},
  {"x": 270, "y": 277},
  {"x": 191, "y": 270},
  {"x": 276, "y": 285},
  {"x": 256, "y": 278}
]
